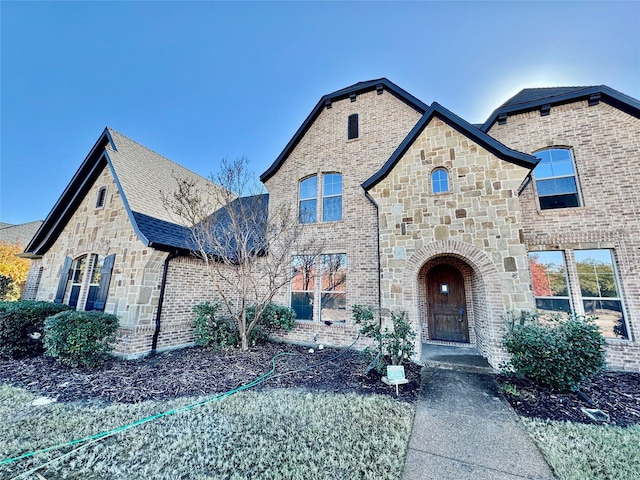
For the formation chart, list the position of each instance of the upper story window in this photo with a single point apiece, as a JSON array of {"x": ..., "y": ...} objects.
[
  {"x": 102, "y": 196},
  {"x": 555, "y": 177},
  {"x": 308, "y": 199},
  {"x": 352, "y": 128},
  {"x": 439, "y": 181},
  {"x": 331, "y": 197}
]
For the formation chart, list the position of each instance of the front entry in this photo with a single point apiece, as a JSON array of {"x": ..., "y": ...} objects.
[{"x": 447, "y": 305}]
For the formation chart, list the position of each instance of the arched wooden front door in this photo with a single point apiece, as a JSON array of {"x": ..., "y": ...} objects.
[{"x": 447, "y": 305}]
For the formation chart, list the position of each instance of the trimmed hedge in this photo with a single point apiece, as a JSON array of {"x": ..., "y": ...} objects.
[
  {"x": 555, "y": 352},
  {"x": 80, "y": 338},
  {"x": 20, "y": 319}
]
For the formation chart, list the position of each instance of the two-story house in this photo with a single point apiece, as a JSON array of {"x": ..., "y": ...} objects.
[{"x": 457, "y": 225}]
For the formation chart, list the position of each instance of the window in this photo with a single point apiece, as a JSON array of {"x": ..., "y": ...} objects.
[
  {"x": 549, "y": 278},
  {"x": 84, "y": 282},
  {"x": 333, "y": 301},
  {"x": 597, "y": 293},
  {"x": 329, "y": 292},
  {"x": 75, "y": 280},
  {"x": 439, "y": 181},
  {"x": 102, "y": 194},
  {"x": 600, "y": 292},
  {"x": 303, "y": 286},
  {"x": 331, "y": 197},
  {"x": 308, "y": 200},
  {"x": 352, "y": 128},
  {"x": 556, "y": 179}
]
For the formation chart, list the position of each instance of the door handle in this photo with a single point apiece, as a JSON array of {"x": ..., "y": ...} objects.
[{"x": 461, "y": 319}]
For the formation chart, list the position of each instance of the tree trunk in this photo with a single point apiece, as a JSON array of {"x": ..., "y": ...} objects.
[{"x": 245, "y": 341}]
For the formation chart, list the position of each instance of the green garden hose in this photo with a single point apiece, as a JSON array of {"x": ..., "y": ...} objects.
[{"x": 83, "y": 442}]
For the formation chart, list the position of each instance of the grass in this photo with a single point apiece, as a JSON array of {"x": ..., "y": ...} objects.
[
  {"x": 266, "y": 435},
  {"x": 588, "y": 452}
]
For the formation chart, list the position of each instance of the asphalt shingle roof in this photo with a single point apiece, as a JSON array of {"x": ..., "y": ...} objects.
[
  {"x": 20, "y": 234},
  {"x": 536, "y": 94}
]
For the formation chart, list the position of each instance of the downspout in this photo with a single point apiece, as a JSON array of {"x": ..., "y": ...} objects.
[
  {"x": 375, "y": 205},
  {"x": 163, "y": 284}
]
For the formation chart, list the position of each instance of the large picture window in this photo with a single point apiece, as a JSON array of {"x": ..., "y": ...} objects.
[
  {"x": 596, "y": 294},
  {"x": 555, "y": 177},
  {"x": 600, "y": 292},
  {"x": 549, "y": 278},
  {"x": 319, "y": 281},
  {"x": 333, "y": 302}
]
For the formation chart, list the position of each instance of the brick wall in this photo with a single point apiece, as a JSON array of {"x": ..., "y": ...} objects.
[
  {"x": 605, "y": 143},
  {"x": 384, "y": 121}
]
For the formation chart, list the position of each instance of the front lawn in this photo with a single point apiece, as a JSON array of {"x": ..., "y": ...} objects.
[
  {"x": 272, "y": 434},
  {"x": 578, "y": 451}
]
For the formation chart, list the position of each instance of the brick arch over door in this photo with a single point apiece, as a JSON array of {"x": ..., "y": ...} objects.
[{"x": 486, "y": 291}]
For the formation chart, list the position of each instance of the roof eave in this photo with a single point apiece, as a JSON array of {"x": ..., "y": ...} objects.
[
  {"x": 617, "y": 99},
  {"x": 55, "y": 221}
]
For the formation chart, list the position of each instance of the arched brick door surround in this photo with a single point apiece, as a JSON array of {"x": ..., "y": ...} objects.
[{"x": 488, "y": 315}]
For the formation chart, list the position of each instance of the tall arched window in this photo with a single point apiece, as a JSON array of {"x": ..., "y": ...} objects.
[
  {"x": 439, "y": 181},
  {"x": 308, "y": 203},
  {"x": 555, "y": 177}
]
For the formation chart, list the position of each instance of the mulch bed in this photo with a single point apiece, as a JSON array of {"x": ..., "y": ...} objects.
[
  {"x": 615, "y": 393},
  {"x": 199, "y": 372}
]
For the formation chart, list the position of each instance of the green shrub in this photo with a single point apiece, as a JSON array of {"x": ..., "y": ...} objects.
[
  {"x": 215, "y": 330},
  {"x": 555, "y": 352},
  {"x": 18, "y": 320},
  {"x": 7, "y": 288},
  {"x": 80, "y": 338},
  {"x": 393, "y": 346}
]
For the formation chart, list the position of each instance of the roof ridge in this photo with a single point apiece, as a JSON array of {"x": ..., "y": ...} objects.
[{"x": 112, "y": 130}]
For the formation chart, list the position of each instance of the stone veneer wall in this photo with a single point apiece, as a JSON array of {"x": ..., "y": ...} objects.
[
  {"x": 605, "y": 143},
  {"x": 136, "y": 277},
  {"x": 384, "y": 121},
  {"x": 477, "y": 223}
]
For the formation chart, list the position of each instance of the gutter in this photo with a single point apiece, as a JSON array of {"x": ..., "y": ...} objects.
[
  {"x": 375, "y": 205},
  {"x": 165, "y": 270}
]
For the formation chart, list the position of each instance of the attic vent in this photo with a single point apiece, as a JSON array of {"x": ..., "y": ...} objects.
[
  {"x": 379, "y": 89},
  {"x": 327, "y": 103},
  {"x": 502, "y": 119},
  {"x": 352, "y": 97},
  {"x": 352, "y": 126},
  {"x": 102, "y": 194},
  {"x": 594, "y": 99},
  {"x": 545, "y": 110}
]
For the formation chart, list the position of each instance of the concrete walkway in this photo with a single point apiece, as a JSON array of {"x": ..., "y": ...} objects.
[{"x": 463, "y": 429}]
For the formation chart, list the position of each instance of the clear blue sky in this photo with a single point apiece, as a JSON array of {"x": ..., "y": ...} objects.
[{"x": 198, "y": 81}]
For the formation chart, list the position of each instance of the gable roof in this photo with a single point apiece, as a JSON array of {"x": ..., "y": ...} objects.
[
  {"x": 533, "y": 98},
  {"x": 20, "y": 234},
  {"x": 462, "y": 126},
  {"x": 360, "y": 87},
  {"x": 140, "y": 175}
]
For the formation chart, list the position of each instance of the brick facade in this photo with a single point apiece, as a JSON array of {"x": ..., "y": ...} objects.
[
  {"x": 396, "y": 232},
  {"x": 384, "y": 121},
  {"x": 605, "y": 143}
]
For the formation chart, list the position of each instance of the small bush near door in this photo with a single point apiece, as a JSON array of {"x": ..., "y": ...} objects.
[
  {"x": 393, "y": 346},
  {"x": 80, "y": 338},
  {"x": 22, "y": 326},
  {"x": 556, "y": 352}
]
